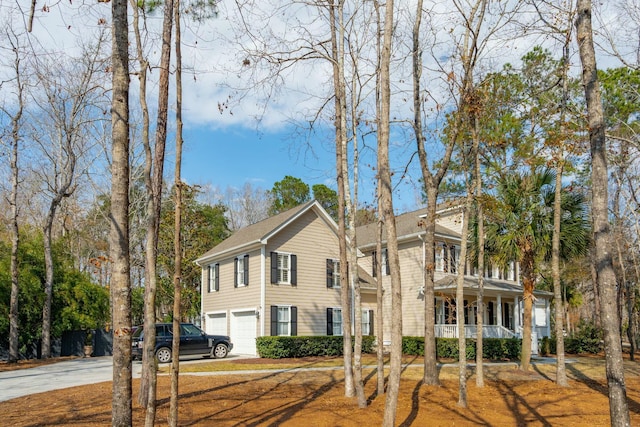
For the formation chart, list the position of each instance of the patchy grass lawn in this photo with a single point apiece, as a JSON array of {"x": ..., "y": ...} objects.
[{"x": 297, "y": 397}]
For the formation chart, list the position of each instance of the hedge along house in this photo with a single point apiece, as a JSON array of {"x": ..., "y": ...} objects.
[
  {"x": 503, "y": 308},
  {"x": 279, "y": 276}
]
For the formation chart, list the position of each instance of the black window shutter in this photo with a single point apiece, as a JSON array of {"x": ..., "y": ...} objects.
[
  {"x": 490, "y": 306},
  {"x": 371, "y": 323},
  {"x": 466, "y": 312},
  {"x": 329, "y": 273},
  {"x": 294, "y": 320},
  {"x": 274, "y": 267},
  {"x": 505, "y": 316},
  {"x": 246, "y": 269},
  {"x": 216, "y": 283},
  {"x": 235, "y": 272},
  {"x": 209, "y": 279},
  {"x": 374, "y": 262},
  {"x": 294, "y": 269},
  {"x": 274, "y": 320},
  {"x": 329, "y": 321}
]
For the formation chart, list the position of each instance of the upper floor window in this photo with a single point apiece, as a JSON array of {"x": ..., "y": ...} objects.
[
  {"x": 333, "y": 273},
  {"x": 384, "y": 261},
  {"x": 213, "y": 277},
  {"x": 241, "y": 271},
  {"x": 439, "y": 258},
  {"x": 284, "y": 268}
]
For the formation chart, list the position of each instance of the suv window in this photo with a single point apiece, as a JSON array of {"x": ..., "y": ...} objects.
[
  {"x": 162, "y": 331},
  {"x": 190, "y": 330}
]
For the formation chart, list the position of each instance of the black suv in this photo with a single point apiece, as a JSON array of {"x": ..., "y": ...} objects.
[{"x": 193, "y": 341}]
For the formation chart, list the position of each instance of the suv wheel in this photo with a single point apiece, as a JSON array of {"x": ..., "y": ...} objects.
[
  {"x": 163, "y": 354},
  {"x": 220, "y": 351}
]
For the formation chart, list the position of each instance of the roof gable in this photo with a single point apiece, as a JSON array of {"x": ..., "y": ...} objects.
[
  {"x": 407, "y": 226},
  {"x": 260, "y": 232}
]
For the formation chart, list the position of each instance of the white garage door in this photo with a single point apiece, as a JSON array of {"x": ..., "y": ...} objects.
[
  {"x": 243, "y": 332},
  {"x": 216, "y": 324}
]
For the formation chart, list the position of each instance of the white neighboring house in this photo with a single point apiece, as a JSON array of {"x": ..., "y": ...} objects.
[{"x": 503, "y": 307}]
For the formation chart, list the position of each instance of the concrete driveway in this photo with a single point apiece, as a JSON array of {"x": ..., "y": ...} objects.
[
  {"x": 71, "y": 373},
  {"x": 55, "y": 376}
]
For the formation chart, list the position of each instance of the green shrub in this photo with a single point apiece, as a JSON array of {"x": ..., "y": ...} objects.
[
  {"x": 305, "y": 346},
  {"x": 447, "y": 348},
  {"x": 586, "y": 339}
]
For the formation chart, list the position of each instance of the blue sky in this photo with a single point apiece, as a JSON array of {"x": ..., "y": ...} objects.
[{"x": 236, "y": 155}]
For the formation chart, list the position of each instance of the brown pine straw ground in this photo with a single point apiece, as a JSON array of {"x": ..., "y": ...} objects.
[{"x": 316, "y": 398}]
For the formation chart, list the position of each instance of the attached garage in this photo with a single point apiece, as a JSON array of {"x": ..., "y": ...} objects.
[
  {"x": 243, "y": 332},
  {"x": 216, "y": 323}
]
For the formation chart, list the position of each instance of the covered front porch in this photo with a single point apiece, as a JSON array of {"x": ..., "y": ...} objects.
[{"x": 502, "y": 313}]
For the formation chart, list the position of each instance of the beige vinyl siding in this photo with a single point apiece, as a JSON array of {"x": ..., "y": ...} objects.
[
  {"x": 312, "y": 241},
  {"x": 451, "y": 220},
  {"x": 411, "y": 261},
  {"x": 229, "y": 297}
]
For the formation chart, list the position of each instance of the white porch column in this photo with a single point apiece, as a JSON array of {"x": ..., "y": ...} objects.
[
  {"x": 548, "y": 315},
  {"x": 499, "y": 312},
  {"x": 516, "y": 314}
]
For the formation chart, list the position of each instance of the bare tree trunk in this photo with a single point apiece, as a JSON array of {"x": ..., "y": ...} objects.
[
  {"x": 386, "y": 205},
  {"x": 352, "y": 207},
  {"x": 119, "y": 218},
  {"x": 380, "y": 225},
  {"x": 561, "y": 373},
  {"x": 528, "y": 284},
  {"x": 154, "y": 168},
  {"x": 480, "y": 220},
  {"x": 379, "y": 308},
  {"x": 431, "y": 185},
  {"x": 596, "y": 293},
  {"x": 48, "y": 284},
  {"x": 462, "y": 340},
  {"x": 148, "y": 379},
  {"x": 13, "y": 202},
  {"x": 606, "y": 280},
  {"x": 177, "y": 243},
  {"x": 337, "y": 52}
]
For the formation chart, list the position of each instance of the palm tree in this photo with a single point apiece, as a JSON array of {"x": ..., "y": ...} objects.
[{"x": 519, "y": 227}]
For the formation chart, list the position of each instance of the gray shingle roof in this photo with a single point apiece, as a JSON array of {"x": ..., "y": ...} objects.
[
  {"x": 407, "y": 224},
  {"x": 471, "y": 282},
  {"x": 254, "y": 233}
]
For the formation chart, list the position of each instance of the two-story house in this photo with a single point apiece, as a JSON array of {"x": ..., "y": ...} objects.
[
  {"x": 502, "y": 314},
  {"x": 279, "y": 276}
]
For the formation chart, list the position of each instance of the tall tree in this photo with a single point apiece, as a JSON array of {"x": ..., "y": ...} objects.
[
  {"x": 605, "y": 275},
  {"x": 69, "y": 102},
  {"x": 327, "y": 197},
  {"x": 148, "y": 380},
  {"x": 177, "y": 246},
  {"x": 386, "y": 208},
  {"x": 154, "y": 167},
  {"x": 336, "y": 24},
  {"x": 15, "y": 137},
  {"x": 519, "y": 227},
  {"x": 288, "y": 193},
  {"x": 119, "y": 218}
]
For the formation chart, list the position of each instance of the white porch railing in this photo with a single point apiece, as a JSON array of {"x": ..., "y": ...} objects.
[{"x": 488, "y": 331}]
